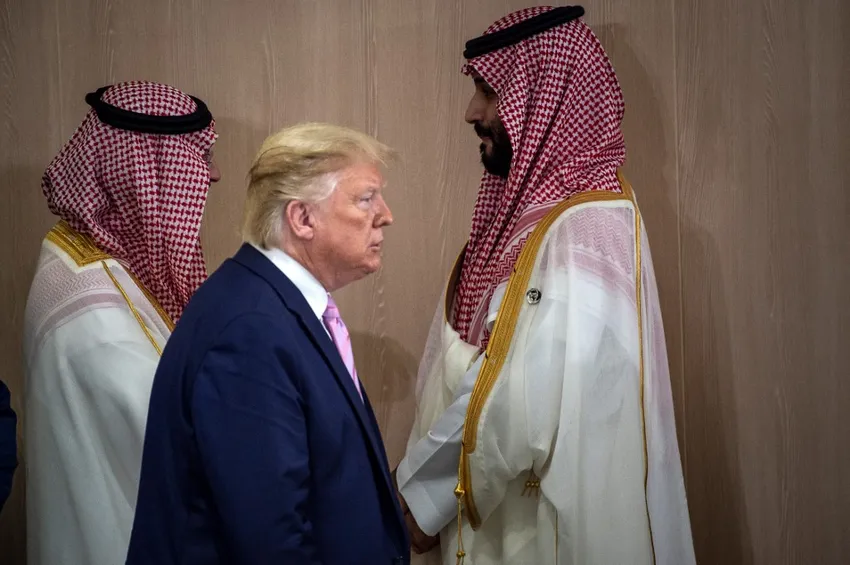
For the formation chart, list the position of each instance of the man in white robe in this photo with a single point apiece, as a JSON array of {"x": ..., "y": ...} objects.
[
  {"x": 545, "y": 431},
  {"x": 113, "y": 276}
]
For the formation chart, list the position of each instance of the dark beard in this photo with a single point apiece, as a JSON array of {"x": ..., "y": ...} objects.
[{"x": 498, "y": 160}]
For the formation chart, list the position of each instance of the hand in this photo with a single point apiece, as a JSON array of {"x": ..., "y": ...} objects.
[
  {"x": 419, "y": 540},
  {"x": 404, "y": 508}
]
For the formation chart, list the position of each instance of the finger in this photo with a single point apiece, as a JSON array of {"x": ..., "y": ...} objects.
[
  {"x": 405, "y": 509},
  {"x": 430, "y": 543},
  {"x": 424, "y": 543}
]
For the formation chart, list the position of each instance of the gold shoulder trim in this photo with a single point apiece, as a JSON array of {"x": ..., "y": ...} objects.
[
  {"x": 503, "y": 333},
  {"x": 135, "y": 312},
  {"x": 80, "y": 247},
  {"x": 628, "y": 191},
  {"x": 83, "y": 250},
  {"x": 166, "y": 319}
]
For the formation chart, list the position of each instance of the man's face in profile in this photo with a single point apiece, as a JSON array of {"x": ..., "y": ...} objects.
[{"x": 482, "y": 113}]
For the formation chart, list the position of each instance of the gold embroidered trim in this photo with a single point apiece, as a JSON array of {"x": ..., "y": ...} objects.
[
  {"x": 502, "y": 336},
  {"x": 166, "y": 319},
  {"x": 461, "y": 553},
  {"x": 81, "y": 248},
  {"x": 627, "y": 189},
  {"x": 132, "y": 308},
  {"x": 556, "y": 535}
]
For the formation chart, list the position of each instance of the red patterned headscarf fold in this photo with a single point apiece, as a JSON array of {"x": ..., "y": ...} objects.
[
  {"x": 139, "y": 196},
  {"x": 562, "y": 107}
]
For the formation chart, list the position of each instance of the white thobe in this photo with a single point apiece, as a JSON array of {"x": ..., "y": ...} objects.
[
  {"x": 581, "y": 403},
  {"x": 92, "y": 343}
]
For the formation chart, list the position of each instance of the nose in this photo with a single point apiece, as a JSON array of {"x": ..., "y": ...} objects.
[
  {"x": 215, "y": 173},
  {"x": 384, "y": 217},
  {"x": 475, "y": 110}
]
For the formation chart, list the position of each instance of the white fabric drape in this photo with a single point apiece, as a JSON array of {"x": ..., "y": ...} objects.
[
  {"x": 89, "y": 371},
  {"x": 571, "y": 404}
]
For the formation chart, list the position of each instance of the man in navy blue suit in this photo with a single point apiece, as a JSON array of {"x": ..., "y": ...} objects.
[
  {"x": 261, "y": 446},
  {"x": 8, "y": 444}
]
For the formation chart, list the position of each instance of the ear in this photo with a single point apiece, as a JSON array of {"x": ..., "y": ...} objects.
[{"x": 299, "y": 216}]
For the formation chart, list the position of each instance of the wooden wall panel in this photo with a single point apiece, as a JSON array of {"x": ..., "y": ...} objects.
[
  {"x": 764, "y": 133},
  {"x": 416, "y": 101},
  {"x": 638, "y": 37},
  {"x": 736, "y": 126},
  {"x": 25, "y": 100}
]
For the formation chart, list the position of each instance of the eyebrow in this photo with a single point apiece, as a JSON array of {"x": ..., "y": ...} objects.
[
  {"x": 372, "y": 187},
  {"x": 479, "y": 81}
]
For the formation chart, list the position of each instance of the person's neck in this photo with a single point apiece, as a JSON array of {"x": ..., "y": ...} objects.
[{"x": 314, "y": 265}]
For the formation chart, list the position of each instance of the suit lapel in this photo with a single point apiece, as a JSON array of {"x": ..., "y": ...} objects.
[{"x": 295, "y": 302}]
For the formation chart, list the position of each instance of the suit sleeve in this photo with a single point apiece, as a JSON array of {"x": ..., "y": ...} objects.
[
  {"x": 8, "y": 444},
  {"x": 249, "y": 421}
]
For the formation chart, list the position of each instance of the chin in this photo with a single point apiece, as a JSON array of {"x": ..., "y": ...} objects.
[{"x": 372, "y": 265}]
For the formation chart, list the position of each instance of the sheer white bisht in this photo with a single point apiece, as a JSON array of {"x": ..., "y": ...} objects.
[
  {"x": 570, "y": 453},
  {"x": 93, "y": 338}
]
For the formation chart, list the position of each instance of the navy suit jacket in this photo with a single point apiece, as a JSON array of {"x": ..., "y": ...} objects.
[
  {"x": 8, "y": 444},
  {"x": 258, "y": 449}
]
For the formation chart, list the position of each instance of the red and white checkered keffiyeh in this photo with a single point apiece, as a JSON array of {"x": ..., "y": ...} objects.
[
  {"x": 562, "y": 107},
  {"x": 139, "y": 196}
]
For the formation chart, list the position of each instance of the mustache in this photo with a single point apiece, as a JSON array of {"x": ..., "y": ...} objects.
[{"x": 482, "y": 130}]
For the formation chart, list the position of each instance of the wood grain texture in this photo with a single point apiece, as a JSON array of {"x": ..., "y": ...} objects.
[
  {"x": 763, "y": 136},
  {"x": 417, "y": 100},
  {"x": 737, "y": 130},
  {"x": 638, "y": 38},
  {"x": 24, "y": 95}
]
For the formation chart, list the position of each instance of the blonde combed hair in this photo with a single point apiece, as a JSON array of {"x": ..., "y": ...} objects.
[{"x": 300, "y": 163}]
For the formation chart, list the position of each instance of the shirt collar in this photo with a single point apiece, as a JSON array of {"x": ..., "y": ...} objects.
[{"x": 313, "y": 291}]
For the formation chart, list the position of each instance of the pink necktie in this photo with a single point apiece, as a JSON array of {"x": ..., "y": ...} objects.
[{"x": 342, "y": 340}]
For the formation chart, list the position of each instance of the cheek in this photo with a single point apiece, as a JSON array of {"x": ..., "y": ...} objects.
[
  {"x": 492, "y": 111},
  {"x": 365, "y": 229},
  {"x": 354, "y": 234}
]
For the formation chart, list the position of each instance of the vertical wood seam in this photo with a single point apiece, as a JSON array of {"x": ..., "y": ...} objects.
[{"x": 678, "y": 184}]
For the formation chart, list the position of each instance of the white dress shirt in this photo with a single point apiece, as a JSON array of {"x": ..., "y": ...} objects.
[{"x": 309, "y": 286}]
